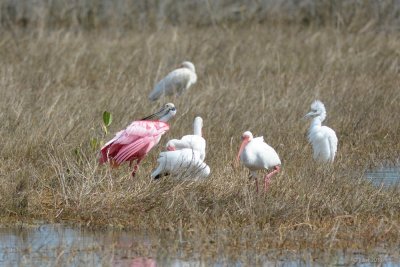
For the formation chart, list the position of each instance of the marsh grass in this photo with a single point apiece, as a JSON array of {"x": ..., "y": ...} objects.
[
  {"x": 55, "y": 86},
  {"x": 143, "y": 14}
]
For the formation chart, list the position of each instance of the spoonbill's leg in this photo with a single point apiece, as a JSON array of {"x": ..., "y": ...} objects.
[
  {"x": 136, "y": 167},
  {"x": 267, "y": 178},
  {"x": 113, "y": 163}
]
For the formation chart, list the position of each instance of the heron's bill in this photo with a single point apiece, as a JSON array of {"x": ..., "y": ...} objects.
[{"x": 308, "y": 115}]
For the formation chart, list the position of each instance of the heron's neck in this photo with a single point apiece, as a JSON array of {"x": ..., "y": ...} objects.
[
  {"x": 197, "y": 128},
  {"x": 316, "y": 122},
  {"x": 191, "y": 68}
]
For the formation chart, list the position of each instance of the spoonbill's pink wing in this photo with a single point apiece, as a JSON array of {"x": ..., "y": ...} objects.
[
  {"x": 134, "y": 150},
  {"x": 133, "y": 142}
]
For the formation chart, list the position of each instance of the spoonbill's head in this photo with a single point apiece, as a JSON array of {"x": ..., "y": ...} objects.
[
  {"x": 188, "y": 65},
  {"x": 317, "y": 109},
  {"x": 246, "y": 138},
  {"x": 164, "y": 114}
]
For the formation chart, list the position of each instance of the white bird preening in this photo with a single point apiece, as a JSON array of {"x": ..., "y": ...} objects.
[
  {"x": 258, "y": 155},
  {"x": 322, "y": 138},
  {"x": 195, "y": 141},
  {"x": 185, "y": 156},
  {"x": 184, "y": 163},
  {"x": 176, "y": 82}
]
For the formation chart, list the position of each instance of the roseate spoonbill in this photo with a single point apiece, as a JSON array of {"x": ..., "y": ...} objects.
[
  {"x": 195, "y": 141},
  {"x": 185, "y": 161},
  {"x": 176, "y": 82},
  {"x": 137, "y": 139},
  {"x": 257, "y": 155},
  {"x": 322, "y": 138}
]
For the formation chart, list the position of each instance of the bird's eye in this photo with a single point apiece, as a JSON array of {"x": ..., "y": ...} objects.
[{"x": 173, "y": 109}]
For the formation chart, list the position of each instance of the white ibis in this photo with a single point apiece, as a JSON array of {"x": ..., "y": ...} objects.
[
  {"x": 258, "y": 155},
  {"x": 322, "y": 138},
  {"x": 176, "y": 82}
]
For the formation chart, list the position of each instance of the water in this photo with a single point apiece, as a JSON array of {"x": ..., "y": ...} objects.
[
  {"x": 385, "y": 176},
  {"x": 50, "y": 245}
]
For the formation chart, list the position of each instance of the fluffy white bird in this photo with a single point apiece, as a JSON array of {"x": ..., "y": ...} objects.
[
  {"x": 176, "y": 82},
  {"x": 185, "y": 162},
  {"x": 195, "y": 141},
  {"x": 258, "y": 155},
  {"x": 322, "y": 138}
]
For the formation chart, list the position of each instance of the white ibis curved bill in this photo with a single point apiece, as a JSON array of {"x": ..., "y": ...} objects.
[
  {"x": 137, "y": 139},
  {"x": 185, "y": 162},
  {"x": 258, "y": 155},
  {"x": 194, "y": 141},
  {"x": 322, "y": 138},
  {"x": 176, "y": 82}
]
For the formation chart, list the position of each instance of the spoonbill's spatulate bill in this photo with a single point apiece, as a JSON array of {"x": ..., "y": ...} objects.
[
  {"x": 137, "y": 139},
  {"x": 322, "y": 138},
  {"x": 185, "y": 162},
  {"x": 194, "y": 141},
  {"x": 258, "y": 155},
  {"x": 176, "y": 82}
]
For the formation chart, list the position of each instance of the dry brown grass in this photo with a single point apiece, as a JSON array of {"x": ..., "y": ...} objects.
[
  {"x": 145, "y": 14},
  {"x": 56, "y": 84}
]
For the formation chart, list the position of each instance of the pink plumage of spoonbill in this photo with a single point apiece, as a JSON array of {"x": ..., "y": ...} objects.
[
  {"x": 137, "y": 139},
  {"x": 258, "y": 155}
]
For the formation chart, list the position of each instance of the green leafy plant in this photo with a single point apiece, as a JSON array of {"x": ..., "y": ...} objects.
[
  {"x": 107, "y": 120},
  {"x": 95, "y": 143}
]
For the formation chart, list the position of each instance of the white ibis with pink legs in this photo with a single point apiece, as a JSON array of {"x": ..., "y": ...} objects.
[
  {"x": 137, "y": 139},
  {"x": 176, "y": 82},
  {"x": 258, "y": 155}
]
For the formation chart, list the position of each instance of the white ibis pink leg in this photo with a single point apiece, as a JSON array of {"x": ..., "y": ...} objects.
[{"x": 267, "y": 178}]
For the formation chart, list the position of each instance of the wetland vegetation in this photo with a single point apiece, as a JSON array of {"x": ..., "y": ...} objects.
[{"x": 253, "y": 74}]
